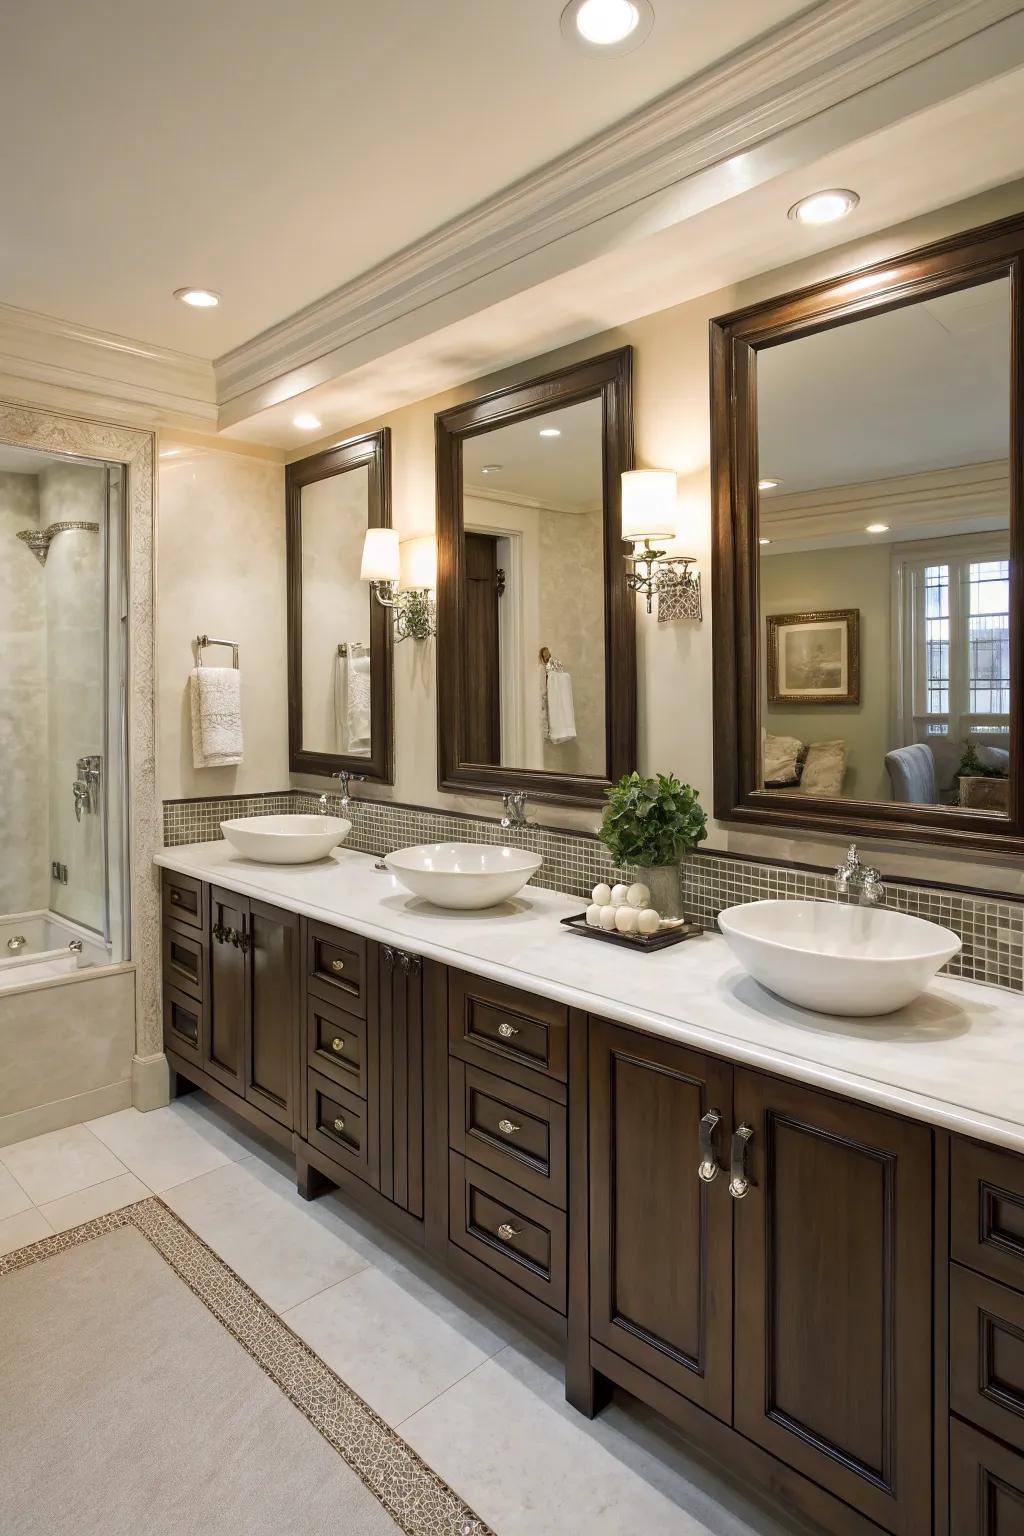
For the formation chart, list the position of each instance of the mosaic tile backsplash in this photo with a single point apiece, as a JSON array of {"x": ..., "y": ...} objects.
[{"x": 992, "y": 930}]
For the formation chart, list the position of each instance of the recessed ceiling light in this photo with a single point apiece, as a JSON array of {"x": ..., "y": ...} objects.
[
  {"x": 306, "y": 421},
  {"x": 824, "y": 207},
  {"x": 549, "y": 432},
  {"x": 768, "y": 483},
  {"x": 764, "y": 541},
  {"x": 198, "y": 298},
  {"x": 491, "y": 469},
  {"x": 607, "y": 26},
  {"x": 877, "y": 528}
]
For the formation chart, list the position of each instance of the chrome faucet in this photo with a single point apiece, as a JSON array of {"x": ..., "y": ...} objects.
[
  {"x": 345, "y": 800},
  {"x": 857, "y": 881},
  {"x": 514, "y": 812}
]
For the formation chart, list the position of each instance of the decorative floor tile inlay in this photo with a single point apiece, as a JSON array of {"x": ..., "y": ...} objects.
[
  {"x": 418, "y": 1501},
  {"x": 991, "y": 929}
]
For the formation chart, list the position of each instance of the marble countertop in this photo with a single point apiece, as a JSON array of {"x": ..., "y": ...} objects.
[{"x": 955, "y": 1057}]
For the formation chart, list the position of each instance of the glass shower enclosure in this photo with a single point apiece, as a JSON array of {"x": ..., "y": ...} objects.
[{"x": 63, "y": 617}]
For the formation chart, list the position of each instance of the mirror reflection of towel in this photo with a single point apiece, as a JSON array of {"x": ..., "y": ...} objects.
[
  {"x": 561, "y": 715},
  {"x": 352, "y": 699}
]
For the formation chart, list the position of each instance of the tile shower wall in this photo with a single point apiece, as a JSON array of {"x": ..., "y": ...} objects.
[
  {"x": 992, "y": 930},
  {"x": 24, "y": 802}
]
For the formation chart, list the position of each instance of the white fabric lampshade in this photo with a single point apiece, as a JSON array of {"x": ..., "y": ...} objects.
[
  {"x": 418, "y": 560},
  {"x": 380, "y": 555},
  {"x": 648, "y": 504}
]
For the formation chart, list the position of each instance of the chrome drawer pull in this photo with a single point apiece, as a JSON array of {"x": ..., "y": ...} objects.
[
  {"x": 337, "y": 1044},
  {"x": 507, "y": 1231},
  {"x": 176, "y": 898},
  {"x": 507, "y": 1031},
  {"x": 739, "y": 1181},
  {"x": 707, "y": 1168},
  {"x": 339, "y": 1124},
  {"x": 508, "y": 1128},
  {"x": 337, "y": 966}
]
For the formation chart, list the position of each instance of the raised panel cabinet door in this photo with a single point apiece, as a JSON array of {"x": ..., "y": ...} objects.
[
  {"x": 833, "y": 1263},
  {"x": 224, "y": 1048},
  {"x": 986, "y": 1485},
  {"x": 660, "y": 1235},
  {"x": 273, "y": 1040},
  {"x": 401, "y": 1078}
]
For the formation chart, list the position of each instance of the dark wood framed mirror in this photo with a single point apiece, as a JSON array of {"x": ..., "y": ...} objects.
[
  {"x": 867, "y": 551},
  {"x": 339, "y": 637},
  {"x": 536, "y": 628}
]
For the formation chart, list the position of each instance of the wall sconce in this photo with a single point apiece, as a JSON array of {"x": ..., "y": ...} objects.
[
  {"x": 649, "y": 524},
  {"x": 403, "y": 577}
]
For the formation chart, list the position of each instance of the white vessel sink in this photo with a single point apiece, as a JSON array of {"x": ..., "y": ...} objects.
[
  {"x": 466, "y": 876},
  {"x": 837, "y": 958},
  {"x": 286, "y": 839}
]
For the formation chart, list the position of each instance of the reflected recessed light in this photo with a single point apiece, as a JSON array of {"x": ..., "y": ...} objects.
[
  {"x": 877, "y": 528},
  {"x": 768, "y": 483},
  {"x": 491, "y": 469},
  {"x": 549, "y": 432},
  {"x": 608, "y": 26},
  {"x": 764, "y": 541},
  {"x": 306, "y": 421},
  {"x": 824, "y": 207},
  {"x": 198, "y": 298}
]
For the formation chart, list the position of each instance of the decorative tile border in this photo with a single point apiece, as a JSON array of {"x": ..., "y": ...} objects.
[
  {"x": 991, "y": 928},
  {"x": 419, "y": 1502}
]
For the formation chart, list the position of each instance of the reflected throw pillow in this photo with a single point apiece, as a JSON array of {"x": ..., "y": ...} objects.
[
  {"x": 782, "y": 758},
  {"x": 824, "y": 768}
]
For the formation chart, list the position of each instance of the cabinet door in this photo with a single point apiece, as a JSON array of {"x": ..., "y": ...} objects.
[
  {"x": 986, "y": 1485},
  {"x": 272, "y": 1038},
  {"x": 833, "y": 1341},
  {"x": 401, "y": 1079},
  {"x": 661, "y": 1238},
  {"x": 224, "y": 1047}
]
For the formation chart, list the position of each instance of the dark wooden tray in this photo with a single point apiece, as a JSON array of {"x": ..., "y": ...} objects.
[{"x": 641, "y": 941}]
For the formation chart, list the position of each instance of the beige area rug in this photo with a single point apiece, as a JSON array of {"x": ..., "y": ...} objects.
[{"x": 145, "y": 1387}]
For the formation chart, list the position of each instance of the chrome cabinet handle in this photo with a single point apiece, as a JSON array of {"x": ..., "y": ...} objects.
[
  {"x": 508, "y": 1128},
  {"x": 507, "y": 1231},
  {"x": 339, "y": 1124},
  {"x": 337, "y": 966},
  {"x": 337, "y": 1044},
  {"x": 507, "y": 1031},
  {"x": 739, "y": 1180},
  {"x": 387, "y": 954},
  {"x": 707, "y": 1168}
]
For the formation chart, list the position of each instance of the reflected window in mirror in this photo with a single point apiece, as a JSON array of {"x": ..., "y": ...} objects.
[
  {"x": 532, "y": 598},
  {"x": 868, "y": 624},
  {"x": 339, "y": 639}
]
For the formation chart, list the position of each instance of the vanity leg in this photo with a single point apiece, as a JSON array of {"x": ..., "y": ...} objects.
[
  {"x": 586, "y": 1390},
  {"x": 309, "y": 1181}
]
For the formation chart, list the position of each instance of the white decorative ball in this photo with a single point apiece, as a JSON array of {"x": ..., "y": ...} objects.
[
  {"x": 618, "y": 895},
  {"x": 608, "y": 917},
  {"x": 649, "y": 921},
  {"x": 601, "y": 895},
  {"x": 626, "y": 919},
  {"x": 638, "y": 896},
  {"x": 594, "y": 915}
]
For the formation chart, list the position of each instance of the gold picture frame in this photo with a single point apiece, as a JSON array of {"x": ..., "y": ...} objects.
[{"x": 814, "y": 658}]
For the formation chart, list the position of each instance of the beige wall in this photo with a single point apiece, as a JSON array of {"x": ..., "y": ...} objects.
[
  {"x": 675, "y": 678},
  {"x": 841, "y": 578}
]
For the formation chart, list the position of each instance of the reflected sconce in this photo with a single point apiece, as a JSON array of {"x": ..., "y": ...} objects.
[
  {"x": 403, "y": 577},
  {"x": 649, "y": 524}
]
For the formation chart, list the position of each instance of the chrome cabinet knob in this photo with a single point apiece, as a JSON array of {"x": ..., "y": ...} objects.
[
  {"x": 339, "y": 1124},
  {"x": 337, "y": 1044},
  {"x": 739, "y": 1179},
  {"x": 337, "y": 966},
  {"x": 707, "y": 1168},
  {"x": 508, "y": 1127},
  {"x": 507, "y": 1031},
  {"x": 507, "y": 1231}
]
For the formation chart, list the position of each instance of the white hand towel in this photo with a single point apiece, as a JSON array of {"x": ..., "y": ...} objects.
[
  {"x": 352, "y": 701},
  {"x": 561, "y": 715},
  {"x": 216, "y": 699}
]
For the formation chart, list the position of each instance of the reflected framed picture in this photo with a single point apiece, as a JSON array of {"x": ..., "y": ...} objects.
[{"x": 814, "y": 658}]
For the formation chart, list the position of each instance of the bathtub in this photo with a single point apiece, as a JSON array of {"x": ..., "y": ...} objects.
[{"x": 46, "y": 951}]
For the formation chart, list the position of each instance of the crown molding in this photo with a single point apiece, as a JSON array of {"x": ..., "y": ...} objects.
[
  {"x": 928, "y": 499},
  {"x": 817, "y": 60},
  {"x": 51, "y": 361},
  {"x": 531, "y": 503}
]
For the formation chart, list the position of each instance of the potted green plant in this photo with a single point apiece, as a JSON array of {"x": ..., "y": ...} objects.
[{"x": 653, "y": 824}]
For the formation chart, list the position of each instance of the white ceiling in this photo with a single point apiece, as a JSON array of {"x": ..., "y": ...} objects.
[
  {"x": 564, "y": 472},
  {"x": 273, "y": 152}
]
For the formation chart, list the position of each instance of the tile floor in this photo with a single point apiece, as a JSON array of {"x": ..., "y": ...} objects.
[{"x": 479, "y": 1397}]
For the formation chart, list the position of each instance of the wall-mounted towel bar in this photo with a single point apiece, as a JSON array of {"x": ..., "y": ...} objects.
[
  {"x": 201, "y": 641},
  {"x": 551, "y": 662},
  {"x": 358, "y": 649}
]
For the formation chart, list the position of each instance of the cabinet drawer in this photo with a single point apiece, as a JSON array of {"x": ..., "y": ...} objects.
[
  {"x": 183, "y": 1025},
  {"x": 336, "y": 1124},
  {"x": 183, "y": 899},
  {"x": 509, "y": 1230},
  {"x": 987, "y": 1195},
  {"x": 336, "y": 967},
  {"x": 336, "y": 1044},
  {"x": 508, "y": 1129},
  {"x": 986, "y": 1485},
  {"x": 986, "y": 1354},
  {"x": 185, "y": 961},
  {"x": 508, "y": 1032}
]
